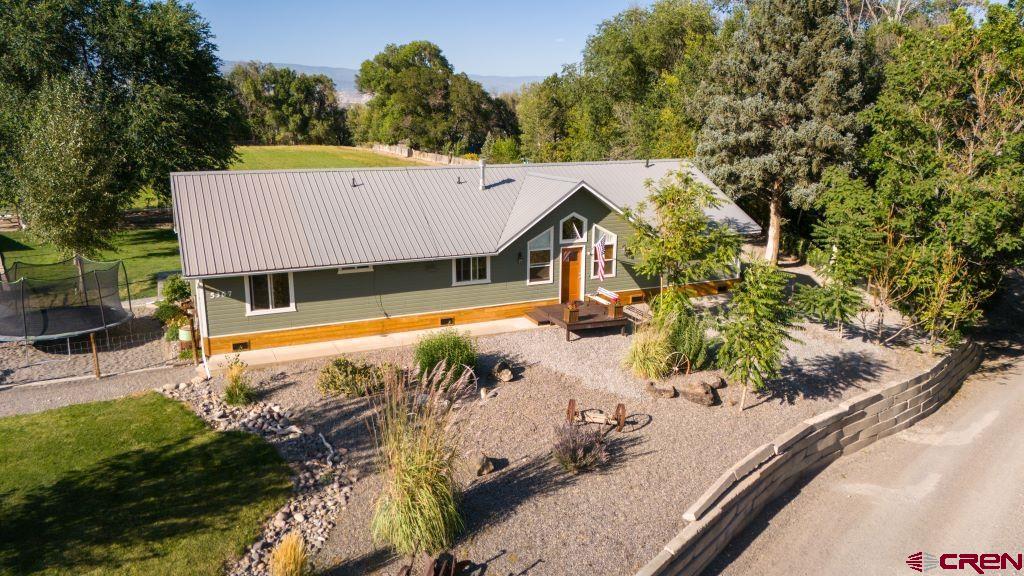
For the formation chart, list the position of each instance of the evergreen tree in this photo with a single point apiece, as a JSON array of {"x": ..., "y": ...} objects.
[{"x": 782, "y": 106}]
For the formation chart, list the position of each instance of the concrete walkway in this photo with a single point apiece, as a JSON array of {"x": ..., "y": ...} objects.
[{"x": 363, "y": 344}]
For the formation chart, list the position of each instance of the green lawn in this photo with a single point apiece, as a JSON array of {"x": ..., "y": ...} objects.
[
  {"x": 138, "y": 486},
  {"x": 283, "y": 157},
  {"x": 145, "y": 252}
]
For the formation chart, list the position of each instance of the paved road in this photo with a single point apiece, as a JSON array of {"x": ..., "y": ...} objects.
[{"x": 954, "y": 483}]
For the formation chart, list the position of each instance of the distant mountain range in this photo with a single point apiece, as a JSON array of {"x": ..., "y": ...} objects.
[{"x": 345, "y": 79}]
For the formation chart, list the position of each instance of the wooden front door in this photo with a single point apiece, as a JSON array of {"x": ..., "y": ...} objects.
[{"x": 572, "y": 262}]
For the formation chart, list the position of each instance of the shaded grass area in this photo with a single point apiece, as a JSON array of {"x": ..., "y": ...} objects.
[
  {"x": 298, "y": 157},
  {"x": 145, "y": 251},
  {"x": 132, "y": 486}
]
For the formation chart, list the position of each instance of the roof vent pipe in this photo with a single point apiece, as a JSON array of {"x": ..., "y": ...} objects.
[{"x": 483, "y": 168}]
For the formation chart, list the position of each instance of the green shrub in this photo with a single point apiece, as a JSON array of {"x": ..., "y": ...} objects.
[
  {"x": 167, "y": 312},
  {"x": 578, "y": 449},
  {"x": 415, "y": 432},
  {"x": 455, "y": 350},
  {"x": 185, "y": 353},
  {"x": 674, "y": 339},
  {"x": 344, "y": 376},
  {"x": 688, "y": 341},
  {"x": 171, "y": 328},
  {"x": 649, "y": 353},
  {"x": 176, "y": 289},
  {"x": 239, "y": 390}
]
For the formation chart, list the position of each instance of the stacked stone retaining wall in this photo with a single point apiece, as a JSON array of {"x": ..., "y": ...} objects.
[{"x": 739, "y": 495}]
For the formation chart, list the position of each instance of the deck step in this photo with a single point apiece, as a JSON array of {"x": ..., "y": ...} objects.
[{"x": 538, "y": 317}]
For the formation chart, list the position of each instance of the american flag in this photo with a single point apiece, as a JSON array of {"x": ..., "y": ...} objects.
[{"x": 599, "y": 257}]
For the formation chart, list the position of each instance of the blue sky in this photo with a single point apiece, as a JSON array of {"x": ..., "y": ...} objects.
[{"x": 523, "y": 37}]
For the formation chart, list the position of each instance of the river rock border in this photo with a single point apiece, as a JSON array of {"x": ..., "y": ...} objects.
[
  {"x": 739, "y": 495},
  {"x": 321, "y": 475}
]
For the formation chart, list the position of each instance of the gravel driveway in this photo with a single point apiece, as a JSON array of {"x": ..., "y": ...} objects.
[{"x": 529, "y": 517}]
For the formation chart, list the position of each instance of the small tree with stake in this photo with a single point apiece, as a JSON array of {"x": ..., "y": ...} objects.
[
  {"x": 683, "y": 245},
  {"x": 756, "y": 328}
]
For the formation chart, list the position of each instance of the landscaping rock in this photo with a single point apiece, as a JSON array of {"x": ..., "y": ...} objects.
[
  {"x": 484, "y": 466},
  {"x": 698, "y": 393},
  {"x": 312, "y": 510},
  {"x": 711, "y": 378},
  {"x": 657, "y": 392},
  {"x": 502, "y": 371}
]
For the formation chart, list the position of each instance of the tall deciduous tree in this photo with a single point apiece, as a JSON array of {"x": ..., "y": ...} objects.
[
  {"x": 66, "y": 174},
  {"x": 151, "y": 65},
  {"x": 935, "y": 214},
  {"x": 284, "y": 107},
  {"x": 420, "y": 100},
  {"x": 782, "y": 106},
  {"x": 630, "y": 96}
]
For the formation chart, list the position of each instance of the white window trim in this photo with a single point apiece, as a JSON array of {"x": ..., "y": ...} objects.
[
  {"x": 248, "y": 299},
  {"x": 551, "y": 258},
  {"x": 582, "y": 240},
  {"x": 615, "y": 252},
  {"x": 471, "y": 282},
  {"x": 355, "y": 269}
]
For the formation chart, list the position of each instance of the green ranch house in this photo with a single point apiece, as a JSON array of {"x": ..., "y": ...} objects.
[{"x": 294, "y": 256}]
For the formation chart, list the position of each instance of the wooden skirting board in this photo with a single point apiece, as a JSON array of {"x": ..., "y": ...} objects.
[
  {"x": 376, "y": 326},
  {"x": 291, "y": 336}
]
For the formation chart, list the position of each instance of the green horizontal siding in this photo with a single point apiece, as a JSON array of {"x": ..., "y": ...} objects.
[{"x": 326, "y": 297}]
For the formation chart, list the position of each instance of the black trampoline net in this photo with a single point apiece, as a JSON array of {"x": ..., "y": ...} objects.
[{"x": 48, "y": 301}]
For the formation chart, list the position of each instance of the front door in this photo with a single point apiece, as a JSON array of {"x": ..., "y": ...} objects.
[{"x": 572, "y": 265}]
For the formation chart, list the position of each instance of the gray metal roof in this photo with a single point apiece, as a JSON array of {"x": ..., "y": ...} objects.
[{"x": 241, "y": 222}]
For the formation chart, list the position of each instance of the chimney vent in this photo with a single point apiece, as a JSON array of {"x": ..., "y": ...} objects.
[{"x": 483, "y": 169}]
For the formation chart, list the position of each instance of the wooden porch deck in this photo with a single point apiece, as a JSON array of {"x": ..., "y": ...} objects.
[{"x": 592, "y": 316}]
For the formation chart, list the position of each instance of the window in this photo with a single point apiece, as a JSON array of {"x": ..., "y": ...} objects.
[
  {"x": 540, "y": 258},
  {"x": 354, "y": 269},
  {"x": 600, "y": 235},
  {"x": 573, "y": 229},
  {"x": 473, "y": 270},
  {"x": 268, "y": 293}
]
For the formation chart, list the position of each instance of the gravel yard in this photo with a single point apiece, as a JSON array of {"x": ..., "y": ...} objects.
[
  {"x": 529, "y": 517},
  {"x": 125, "y": 348}
]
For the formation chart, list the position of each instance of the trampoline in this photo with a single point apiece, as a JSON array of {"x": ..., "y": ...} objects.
[{"x": 71, "y": 298}]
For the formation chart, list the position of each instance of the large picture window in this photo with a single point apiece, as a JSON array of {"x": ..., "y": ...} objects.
[
  {"x": 607, "y": 255},
  {"x": 540, "y": 258},
  {"x": 473, "y": 270},
  {"x": 268, "y": 293}
]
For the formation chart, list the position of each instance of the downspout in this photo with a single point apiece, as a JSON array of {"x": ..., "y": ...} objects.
[{"x": 204, "y": 325}]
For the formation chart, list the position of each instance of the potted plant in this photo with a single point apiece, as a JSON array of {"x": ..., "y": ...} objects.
[{"x": 571, "y": 312}]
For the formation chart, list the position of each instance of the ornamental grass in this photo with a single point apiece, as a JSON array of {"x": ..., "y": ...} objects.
[{"x": 416, "y": 429}]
